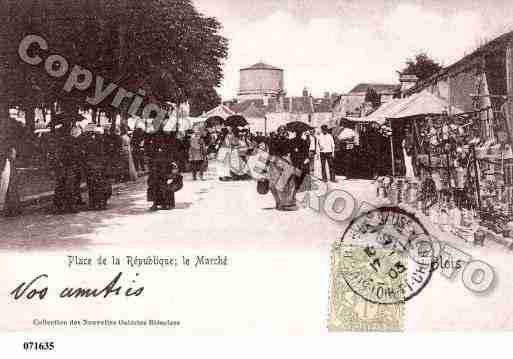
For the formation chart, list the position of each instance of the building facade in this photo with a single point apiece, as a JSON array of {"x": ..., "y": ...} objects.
[
  {"x": 353, "y": 103},
  {"x": 267, "y": 114},
  {"x": 481, "y": 81}
]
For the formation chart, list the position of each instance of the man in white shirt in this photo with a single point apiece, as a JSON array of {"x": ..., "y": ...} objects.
[{"x": 327, "y": 150}]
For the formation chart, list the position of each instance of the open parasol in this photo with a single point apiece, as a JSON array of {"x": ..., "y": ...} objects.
[
  {"x": 236, "y": 121},
  {"x": 213, "y": 121},
  {"x": 298, "y": 126}
]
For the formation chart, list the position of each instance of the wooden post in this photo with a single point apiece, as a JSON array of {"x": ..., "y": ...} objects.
[
  {"x": 392, "y": 150},
  {"x": 476, "y": 174},
  {"x": 509, "y": 82}
]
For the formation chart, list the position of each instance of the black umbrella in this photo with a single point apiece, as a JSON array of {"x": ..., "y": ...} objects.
[
  {"x": 214, "y": 121},
  {"x": 298, "y": 126},
  {"x": 236, "y": 121}
]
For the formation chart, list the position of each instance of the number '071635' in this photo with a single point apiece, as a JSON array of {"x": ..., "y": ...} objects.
[{"x": 38, "y": 346}]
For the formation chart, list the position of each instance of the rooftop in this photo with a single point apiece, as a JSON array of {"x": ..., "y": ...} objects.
[
  {"x": 261, "y": 66},
  {"x": 379, "y": 88},
  {"x": 298, "y": 104},
  {"x": 494, "y": 45}
]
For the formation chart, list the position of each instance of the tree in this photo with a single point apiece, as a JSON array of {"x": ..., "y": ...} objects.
[
  {"x": 421, "y": 66},
  {"x": 372, "y": 96},
  {"x": 204, "y": 101},
  {"x": 165, "y": 47}
]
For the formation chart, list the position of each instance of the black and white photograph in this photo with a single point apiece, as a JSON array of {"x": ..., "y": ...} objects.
[{"x": 272, "y": 167}]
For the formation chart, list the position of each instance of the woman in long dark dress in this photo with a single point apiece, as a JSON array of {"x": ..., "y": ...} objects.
[
  {"x": 70, "y": 160},
  {"x": 163, "y": 150},
  {"x": 98, "y": 185},
  {"x": 113, "y": 145},
  {"x": 9, "y": 196},
  {"x": 137, "y": 144},
  {"x": 300, "y": 158},
  {"x": 282, "y": 189}
]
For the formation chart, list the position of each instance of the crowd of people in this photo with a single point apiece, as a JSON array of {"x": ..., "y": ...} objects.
[
  {"x": 102, "y": 156},
  {"x": 288, "y": 146},
  {"x": 94, "y": 155}
]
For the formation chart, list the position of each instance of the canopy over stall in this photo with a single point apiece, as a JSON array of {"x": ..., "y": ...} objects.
[
  {"x": 422, "y": 103},
  {"x": 221, "y": 110}
]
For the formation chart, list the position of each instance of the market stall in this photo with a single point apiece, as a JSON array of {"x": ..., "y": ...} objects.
[
  {"x": 461, "y": 167},
  {"x": 362, "y": 148}
]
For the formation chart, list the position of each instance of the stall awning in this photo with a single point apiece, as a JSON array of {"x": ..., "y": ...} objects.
[
  {"x": 422, "y": 103},
  {"x": 220, "y": 110}
]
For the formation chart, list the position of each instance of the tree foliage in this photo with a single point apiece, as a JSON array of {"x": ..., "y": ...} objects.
[
  {"x": 204, "y": 101},
  {"x": 421, "y": 66},
  {"x": 165, "y": 47}
]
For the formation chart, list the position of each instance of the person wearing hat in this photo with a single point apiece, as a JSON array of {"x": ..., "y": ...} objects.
[
  {"x": 282, "y": 188},
  {"x": 327, "y": 151},
  {"x": 163, "y": 149},
  {"x": 300, "y": 157},
  {"x": 224, "y": 149},
  {"x": 197, "y": 154}
]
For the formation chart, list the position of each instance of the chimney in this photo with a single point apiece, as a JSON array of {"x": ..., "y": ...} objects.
[{"x": 407, "y": 81}]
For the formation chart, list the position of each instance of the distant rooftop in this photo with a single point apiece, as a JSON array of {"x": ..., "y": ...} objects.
[
  {"x": 498, "y": 44},
  {"x": 379, "y": 88},
  {"x": 297, "y": 104},
  {"x": 261, "y": 66}
]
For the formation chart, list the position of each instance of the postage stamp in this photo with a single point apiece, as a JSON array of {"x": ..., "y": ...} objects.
[{"x": 385, "y": 257}]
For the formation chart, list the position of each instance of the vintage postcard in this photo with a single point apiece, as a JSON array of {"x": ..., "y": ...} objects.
[{"x": 237, "y": 167}]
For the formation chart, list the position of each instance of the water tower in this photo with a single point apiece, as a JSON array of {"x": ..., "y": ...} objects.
[{"x": 260, "y": 81}]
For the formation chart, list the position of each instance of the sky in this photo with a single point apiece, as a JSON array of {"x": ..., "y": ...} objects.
[{"x": 332, "y": 45}]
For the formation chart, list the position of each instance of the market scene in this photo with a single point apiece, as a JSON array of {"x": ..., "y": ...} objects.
[
  {"x": 190, "y": 125},
  {"x": 438, "y": 142}
]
